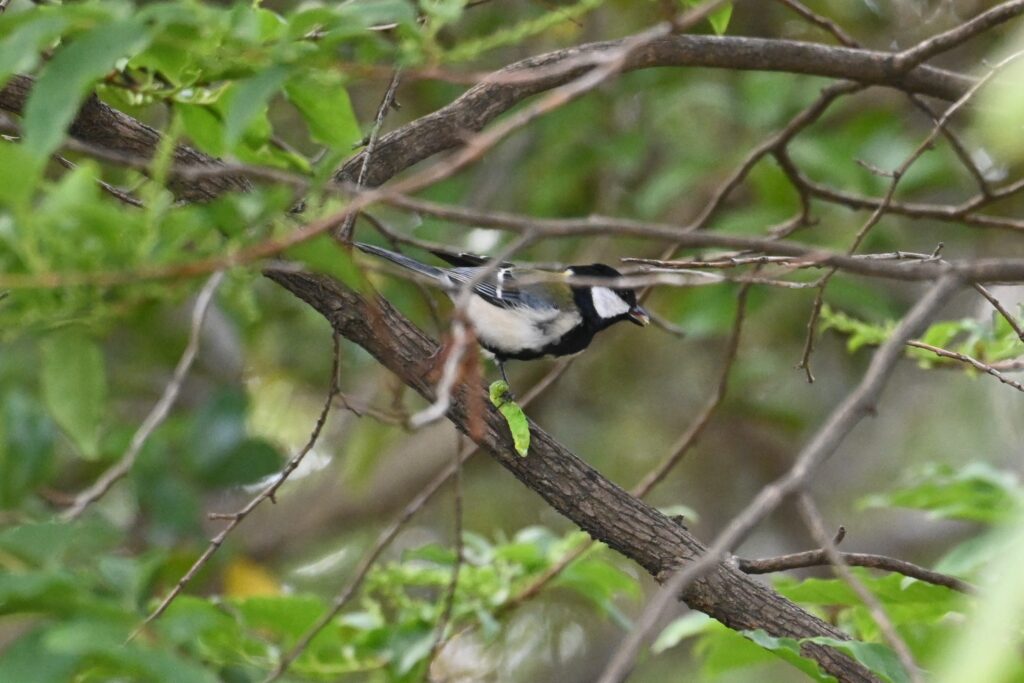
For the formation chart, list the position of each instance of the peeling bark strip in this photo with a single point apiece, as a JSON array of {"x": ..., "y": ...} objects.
[{"x": 571, "y": 486}]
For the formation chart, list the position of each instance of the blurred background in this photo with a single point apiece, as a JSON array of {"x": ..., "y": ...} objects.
[{"x": 650, "y": 145}]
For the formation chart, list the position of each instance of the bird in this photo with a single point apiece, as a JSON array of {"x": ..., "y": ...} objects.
[{"x": 521, "y": 313}]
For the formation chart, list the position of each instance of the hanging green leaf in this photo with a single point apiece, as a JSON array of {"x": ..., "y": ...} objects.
[
  {"x": 514, "y": 415},
  {"x": 249, "y": 99},
  {"x": 325, "y": 105},
  {"x": 67, "y": 78},
  {"x": 74, "y": 387}
]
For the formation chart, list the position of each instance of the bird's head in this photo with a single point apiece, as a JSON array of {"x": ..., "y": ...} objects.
[{"x": 608, "y": 305}]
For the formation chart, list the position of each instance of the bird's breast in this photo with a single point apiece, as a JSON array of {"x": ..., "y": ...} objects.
[{"x": 513, "y": 330}]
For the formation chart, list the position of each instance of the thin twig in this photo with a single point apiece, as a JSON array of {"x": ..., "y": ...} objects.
[
  {"x": 344, "y": 232},
  {"x": 449, "y": 600},
  {"x": 818, "y": 558},
  {"x": 996, "y": 304},
  {"x": 160, "y": 410},
  {"x": 973, "y": 362},
  {"x": 815, "y": 524},
  {"x": 821, "y": 22},
  {"x": 390, "y": 532},
  {"x": 858, "y": 404},
  {"x": 236, "y": 518}
]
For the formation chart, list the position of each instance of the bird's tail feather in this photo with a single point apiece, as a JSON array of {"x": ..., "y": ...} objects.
[{"x": 433, "y": 272}]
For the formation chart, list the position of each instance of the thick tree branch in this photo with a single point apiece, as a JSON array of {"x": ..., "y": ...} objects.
[
  {"x": 104, "y": 127},
  {"x": 568, "y": 484},
  {"x": 447, "y": 127}
]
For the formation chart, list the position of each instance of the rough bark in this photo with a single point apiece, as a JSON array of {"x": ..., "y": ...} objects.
[
  {"x": 569, "y": 485},
  {"x": 114, "y": 131},
  {"x": 447, "y": 127},
  {"x": 118, "y": 134}
]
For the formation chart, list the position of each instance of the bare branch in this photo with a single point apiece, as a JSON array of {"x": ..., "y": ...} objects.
[
  {"x": 973, "y": 362},
  {"x": 573, "y": 488},
  {"x": 829, "y": 436},
  {"x": 160, "y": 410},
  {"x": 236, "y": 518},
  {"x": 815, "y": 523},
  {"x": 818, "y": 558}
]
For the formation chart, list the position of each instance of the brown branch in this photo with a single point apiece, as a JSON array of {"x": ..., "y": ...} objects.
[
  {"x": 819, "y": 558},
  {"x": 816, "y": 525},
  {"x": 159, "y": 412},
  {"x": 943, "y": 42},
  {"x": 447, "y": 127},
  {"x": 385, "y": 538},
  {"x": 571, "y": 486},
  {"x": 105, "y": 127},
  {"x": 236, "y": 518},
  {"x": 858, "y": 404}
]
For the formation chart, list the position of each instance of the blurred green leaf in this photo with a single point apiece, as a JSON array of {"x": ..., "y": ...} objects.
[
  {"x": 248, "y": 100},
  {"x": 788, "y": 649},
  {"x": 975, "y": 492},
  {"x": 67, "y": 77},
  {"x": 686, "y": 626},
  {"x": 879, "y": 658},
  {"x": 74, "y": 386},
  {"x": 26, "y": 447},
  {"x": 325, "y": 105}
]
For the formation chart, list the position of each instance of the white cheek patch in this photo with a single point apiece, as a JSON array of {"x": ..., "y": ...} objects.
[{"x": 607, "y": 303}]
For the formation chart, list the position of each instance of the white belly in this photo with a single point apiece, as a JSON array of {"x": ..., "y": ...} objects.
[{"x": 518, "y": 329}]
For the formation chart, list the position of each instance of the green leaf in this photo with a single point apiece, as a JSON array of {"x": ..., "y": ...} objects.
[
  {"x": 324, "y": 103},
  {"x": 975, "y": 492},
  {"x": 514, "y": 416},
  {"x": 26, "y": 447},
  {"x": 248, "y": 100},
  {"x": 203, "y": 125},
  {"x": 19, "y": 50},
  {"x": 686, "y": 626},
  {"x": 28, "y": 659},
  {"x": 875, "y": 656},
  {"x": 719, "y": 19},
  {"x": 67, "y": 78},
  {"x": 788, "y": 649},
  {"x": 74, "y": 386}
]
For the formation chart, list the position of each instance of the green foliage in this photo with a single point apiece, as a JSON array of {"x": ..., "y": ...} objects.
[
  {"x": 989, "y": 342},
  {"x": 87, "y": 602},
  {"x": 74, "y": 386},
  {"x": 96, "y": 313},
  {"x": 976, "y": 492}
]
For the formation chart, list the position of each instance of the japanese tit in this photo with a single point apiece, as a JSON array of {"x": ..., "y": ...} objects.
[{"x": 522, "y": 320}]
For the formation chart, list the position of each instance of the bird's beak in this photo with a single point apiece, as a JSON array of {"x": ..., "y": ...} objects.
[{"x": 638, "y": 316}]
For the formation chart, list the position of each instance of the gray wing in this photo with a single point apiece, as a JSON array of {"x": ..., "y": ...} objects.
[{"x": 501, "y": 289}]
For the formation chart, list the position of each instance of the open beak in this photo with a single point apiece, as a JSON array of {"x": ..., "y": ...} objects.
[{"x": 638, "y": 316}]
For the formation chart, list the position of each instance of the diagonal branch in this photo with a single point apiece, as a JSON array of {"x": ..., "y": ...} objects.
[{"x": 568, "y": 484}]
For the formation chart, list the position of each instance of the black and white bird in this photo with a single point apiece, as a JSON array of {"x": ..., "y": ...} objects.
[{"x": 518, "y": 313}]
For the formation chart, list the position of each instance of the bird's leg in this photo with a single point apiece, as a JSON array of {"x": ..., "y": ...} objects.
[{"x": 501, "y": 368}]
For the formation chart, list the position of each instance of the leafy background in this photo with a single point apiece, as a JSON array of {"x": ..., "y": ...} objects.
[{"x": 933, "y": 478}]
